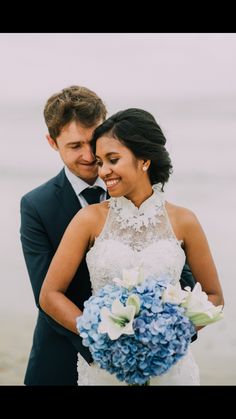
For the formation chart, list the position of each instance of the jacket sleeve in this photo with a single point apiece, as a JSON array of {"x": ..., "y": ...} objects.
[
  {"x": 38, "y": 252},
  {"x": 187, "y": 279}
]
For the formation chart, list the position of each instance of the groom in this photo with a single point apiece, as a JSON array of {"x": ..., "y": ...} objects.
[{"x": 71, "y": 116}]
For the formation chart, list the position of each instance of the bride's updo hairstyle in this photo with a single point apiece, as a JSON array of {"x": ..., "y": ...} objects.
[{"x": 140, "y": 133}]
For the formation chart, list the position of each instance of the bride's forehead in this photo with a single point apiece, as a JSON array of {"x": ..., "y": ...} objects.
[{"x": 107, "y": 143}]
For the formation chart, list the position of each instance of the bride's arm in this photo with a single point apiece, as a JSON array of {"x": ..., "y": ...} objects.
[
  {"x": 199, "y": 257},
  {"x": 63, "y": 267}
]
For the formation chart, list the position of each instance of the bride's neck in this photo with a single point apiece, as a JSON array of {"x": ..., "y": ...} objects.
[{"x": 140, "y": 195}]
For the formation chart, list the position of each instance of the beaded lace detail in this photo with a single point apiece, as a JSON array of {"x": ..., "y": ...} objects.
[
  {"x": 128, "y": 215},
  {"x": 136, "y": 237}
]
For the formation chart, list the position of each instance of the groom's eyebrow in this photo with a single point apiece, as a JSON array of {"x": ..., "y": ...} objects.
[{"x": 74, "y": 142}]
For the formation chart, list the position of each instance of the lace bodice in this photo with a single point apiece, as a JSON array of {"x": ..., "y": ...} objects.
[{"x": 136, "y": 237}]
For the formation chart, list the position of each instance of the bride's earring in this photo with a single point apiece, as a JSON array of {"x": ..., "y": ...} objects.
[{"x": 145, "y": 168}]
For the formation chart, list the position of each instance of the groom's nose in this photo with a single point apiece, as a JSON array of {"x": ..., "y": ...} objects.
[{"x": 87, "y": 153}]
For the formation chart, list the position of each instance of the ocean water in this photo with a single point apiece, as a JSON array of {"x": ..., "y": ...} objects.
[{"x": 201, "y": 141}]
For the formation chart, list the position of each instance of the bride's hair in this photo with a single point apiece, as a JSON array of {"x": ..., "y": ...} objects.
[{"x": 138, "y": 130}]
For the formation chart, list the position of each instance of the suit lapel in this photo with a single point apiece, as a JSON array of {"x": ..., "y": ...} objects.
[{"x": 66, "y": 195}]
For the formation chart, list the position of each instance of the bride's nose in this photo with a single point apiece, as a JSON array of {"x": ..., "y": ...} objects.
[{"x": 104, "y": 170}]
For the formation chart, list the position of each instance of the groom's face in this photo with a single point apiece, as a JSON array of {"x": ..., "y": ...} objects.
[{"x": 74, "y": 147}]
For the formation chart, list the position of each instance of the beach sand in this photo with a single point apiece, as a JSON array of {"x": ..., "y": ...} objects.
[
  {"x": 216, "y": 367},
  {"x": 16, "y": 339}
]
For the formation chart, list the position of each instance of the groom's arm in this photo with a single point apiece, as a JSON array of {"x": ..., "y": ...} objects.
[
  {"x": 187, "y": 279},
  {"x": 38, "y": 253}
]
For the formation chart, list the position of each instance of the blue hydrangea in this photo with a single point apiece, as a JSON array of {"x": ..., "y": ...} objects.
[{"x": 161, "y": 336}]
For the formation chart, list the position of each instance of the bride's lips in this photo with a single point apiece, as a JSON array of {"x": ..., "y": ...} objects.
[{"x": 111, "y": 183}]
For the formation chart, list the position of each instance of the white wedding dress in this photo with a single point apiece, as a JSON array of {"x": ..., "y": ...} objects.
[{"x": 137, "y": 237}]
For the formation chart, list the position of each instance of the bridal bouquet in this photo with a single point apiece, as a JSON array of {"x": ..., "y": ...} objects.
[{"x": 137, "y": 327}]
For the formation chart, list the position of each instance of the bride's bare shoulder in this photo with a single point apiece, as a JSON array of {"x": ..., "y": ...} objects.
[
  {"x": 99, "y": 209},
  {"x": 180, "y": 214},
  {"x": 92, "y": 213}
]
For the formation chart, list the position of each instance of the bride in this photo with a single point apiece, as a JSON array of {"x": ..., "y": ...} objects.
[{"x": 136, "y": 226}]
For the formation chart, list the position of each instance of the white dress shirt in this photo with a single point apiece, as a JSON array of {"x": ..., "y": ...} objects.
[{"x": 79, "y": 185}]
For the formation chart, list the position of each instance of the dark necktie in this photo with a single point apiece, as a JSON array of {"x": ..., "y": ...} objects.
[{"x": 92, "y": 195}]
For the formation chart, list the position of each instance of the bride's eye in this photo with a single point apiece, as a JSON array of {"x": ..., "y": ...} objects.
[
  {"x": 99, "y": 163},
  {"x": 114, "y": 161}
]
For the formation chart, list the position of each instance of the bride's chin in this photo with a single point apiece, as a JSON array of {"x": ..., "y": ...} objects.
[
  {"x": 115, "y": 191},
  {"x": 115, "y": 194}
]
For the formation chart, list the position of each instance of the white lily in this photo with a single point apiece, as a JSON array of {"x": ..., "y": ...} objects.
[
  {"x": 118, "y": 321},
  {"x": 134, "y": 300},
  {"x": 199, "y": 309},
  {"x": 130, "y": 278},
  {"x": 174, "y": 294}
]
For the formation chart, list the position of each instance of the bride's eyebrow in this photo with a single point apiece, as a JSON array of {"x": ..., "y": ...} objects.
[{"x": 107, "y": 154}]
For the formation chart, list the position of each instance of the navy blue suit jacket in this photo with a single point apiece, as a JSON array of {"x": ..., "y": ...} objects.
[{"x": 45, "y": 213}]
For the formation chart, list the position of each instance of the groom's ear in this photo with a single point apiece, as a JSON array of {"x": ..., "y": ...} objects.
[{"x": 52, "y": 142}]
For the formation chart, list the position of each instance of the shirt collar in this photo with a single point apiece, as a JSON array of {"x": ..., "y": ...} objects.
[{"x": 79, "y": 184}]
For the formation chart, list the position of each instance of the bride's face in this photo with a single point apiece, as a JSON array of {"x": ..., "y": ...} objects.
[{"x": 119, "y": 168}]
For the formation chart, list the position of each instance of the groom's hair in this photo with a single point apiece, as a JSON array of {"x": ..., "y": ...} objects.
[
  {"x": 139, "y": 132},
  {"x": 74, "y": 103}
]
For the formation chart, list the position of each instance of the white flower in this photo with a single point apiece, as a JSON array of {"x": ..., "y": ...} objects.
[
  {"x": 118, "y": 321},
  {"x": 134, "y": 300},
  {"x": 130, "y": 278},
  {"x": 174, "y": 294},
  {"x": 199, "y": 309}
]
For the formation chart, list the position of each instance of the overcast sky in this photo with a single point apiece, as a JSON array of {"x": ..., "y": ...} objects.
[{"x": 117, "y": 65}]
